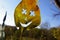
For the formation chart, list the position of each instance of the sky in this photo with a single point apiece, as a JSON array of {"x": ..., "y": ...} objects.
[{"x": 47, "y": 10}]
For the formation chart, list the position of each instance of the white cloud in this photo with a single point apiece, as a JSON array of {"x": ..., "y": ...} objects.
[{"x": 9, "y": 6}]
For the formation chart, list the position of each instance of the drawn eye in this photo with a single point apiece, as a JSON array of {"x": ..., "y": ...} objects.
[
  {"x": 23, "y": 11},
  {"x": 32, "y": 13}
]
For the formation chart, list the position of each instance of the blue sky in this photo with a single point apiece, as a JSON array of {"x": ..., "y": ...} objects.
[{"x": 45, "y": 6}]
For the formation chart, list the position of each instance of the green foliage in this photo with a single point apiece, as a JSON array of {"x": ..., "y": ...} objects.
[
  {"x": 56, "y": 32},
  {"x": 33, "y": 34}
]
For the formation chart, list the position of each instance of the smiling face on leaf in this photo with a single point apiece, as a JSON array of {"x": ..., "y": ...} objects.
[{"x": 27, "y": 11}]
